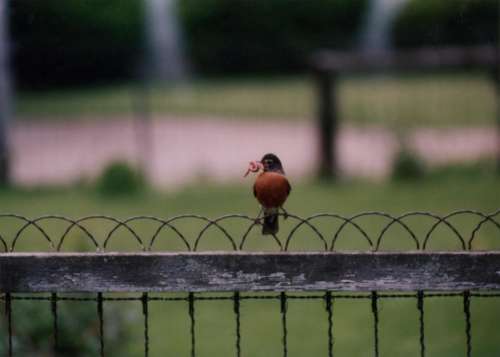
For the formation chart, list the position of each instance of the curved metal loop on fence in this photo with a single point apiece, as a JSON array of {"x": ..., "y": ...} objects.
[
  {"x": 303, "y": 221},
  {"x": 355, "y": 225},
  {"x": 75, "y": 224},
  {"x": 401, "y": 223},
  {"x": 27, "y": 223},
  {"x": 4, "y": 244},
  {"x": 249, "y": 229},
  {"x": 215, "y": 223},
  {"x": 147, "y": 218},
  {"x": 190, "y": 237},
  {"x": 444, "y": 220},
  {"x": 487, "y": 218},
  {"x": 172, "y": 228}
]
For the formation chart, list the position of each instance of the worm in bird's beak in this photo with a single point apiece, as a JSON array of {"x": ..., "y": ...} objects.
[{"x": 254, "y": 166}]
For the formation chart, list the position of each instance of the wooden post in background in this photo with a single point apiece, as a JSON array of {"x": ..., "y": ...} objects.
[
  {"x": 5, "y": 94},
  {"x": 327, "y": 123},
  {"x": 143, "y": 125},
  {"x": 328, "y": 65}
]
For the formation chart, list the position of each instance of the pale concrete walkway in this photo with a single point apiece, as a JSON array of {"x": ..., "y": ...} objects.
[{"x": 183, "y": 150}]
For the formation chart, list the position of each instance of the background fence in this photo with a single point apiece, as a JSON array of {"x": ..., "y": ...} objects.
[
  {"x": 329, "y": 65},
  {"x": 375, "y": 277}
]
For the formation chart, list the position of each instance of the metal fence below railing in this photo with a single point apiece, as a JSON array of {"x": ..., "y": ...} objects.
[
  {"x": 238, "y": 301},
  {"x": 240, "y": 277}
]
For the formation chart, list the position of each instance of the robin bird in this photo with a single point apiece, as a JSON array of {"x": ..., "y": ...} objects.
[{"x": 271, "y": 188}]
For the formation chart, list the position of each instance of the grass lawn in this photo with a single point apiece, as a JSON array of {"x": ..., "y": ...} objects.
[
  {"x": 307, "y": 319},
  {"x": 426, "y": 100}
]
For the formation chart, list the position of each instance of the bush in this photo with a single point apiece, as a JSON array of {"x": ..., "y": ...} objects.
[
  {"x": 407, "y": 166},
  {"x": 68, "y": 42},
  {"x": 235, "y": 36},
  {"x": 120, "y": 179},
  {"x": 77, "y": 326},
  {"x": 447, "y": 22}
]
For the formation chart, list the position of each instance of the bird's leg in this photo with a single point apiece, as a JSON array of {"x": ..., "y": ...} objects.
[
  {"x": 285, "y": 213},
  {"x": 257, "y": 219}
]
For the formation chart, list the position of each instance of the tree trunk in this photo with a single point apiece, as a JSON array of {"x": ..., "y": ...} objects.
[{"x": 5, "y": 94}]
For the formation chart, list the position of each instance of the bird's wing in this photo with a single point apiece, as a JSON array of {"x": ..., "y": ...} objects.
[{"x": 289, "y": 187}]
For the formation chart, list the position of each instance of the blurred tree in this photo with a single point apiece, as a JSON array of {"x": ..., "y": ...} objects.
[
  {"x": 85, "y": 41},
  {"x": 81, "y": 41},
  {"x": 447, "y": 22},
  {"x": 4, "y": 94},
  {"x": 237, "y": 36}
]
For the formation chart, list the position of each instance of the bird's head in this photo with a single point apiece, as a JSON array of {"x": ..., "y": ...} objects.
[
  {"x": 272, "y": 163},
  {"x": 268, "y": 163}
]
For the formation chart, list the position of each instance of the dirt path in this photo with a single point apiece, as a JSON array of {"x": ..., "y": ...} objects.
[{"x": 183, "y": 150}]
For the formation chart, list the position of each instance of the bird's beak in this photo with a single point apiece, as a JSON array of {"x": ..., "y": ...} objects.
[{"x": 253, "y": 166}]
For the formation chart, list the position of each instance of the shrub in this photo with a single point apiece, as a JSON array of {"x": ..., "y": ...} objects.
[
  {"x": 82, "y": 41},
  {"x": 120, "y": 179},
  {"x": 235, "y": 36},
  {"x": 77, "y": 326},
  {"x": 447, "y": 22},
  {"x": 407, "y": 166}
]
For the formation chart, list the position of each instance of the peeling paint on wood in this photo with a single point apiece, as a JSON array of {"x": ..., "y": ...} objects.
[{"x": 248, "y": 271}]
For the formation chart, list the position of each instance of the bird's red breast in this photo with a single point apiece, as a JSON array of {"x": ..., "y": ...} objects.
[{"x": 271, "y": 189}]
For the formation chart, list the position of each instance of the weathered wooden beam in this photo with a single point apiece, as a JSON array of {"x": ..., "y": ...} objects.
[
  {"x": 246, "y": 271},
  {"x": 419, "y": 59}
]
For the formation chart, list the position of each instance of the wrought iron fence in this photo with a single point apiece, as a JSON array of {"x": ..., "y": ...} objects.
[
  {"x": 328, "y": 240},
  {"x": 416, "y": 275}
]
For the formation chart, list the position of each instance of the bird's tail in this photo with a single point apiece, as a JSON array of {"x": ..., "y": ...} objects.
[{"x": 270, "y": 225}]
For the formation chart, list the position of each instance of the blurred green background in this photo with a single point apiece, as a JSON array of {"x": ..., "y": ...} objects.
[
  {"x": 223, "y": 37},
  {"x": 246, "y": 62}
]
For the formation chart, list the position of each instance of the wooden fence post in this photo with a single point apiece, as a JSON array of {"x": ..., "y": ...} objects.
[{"x": 327, "y": 123}]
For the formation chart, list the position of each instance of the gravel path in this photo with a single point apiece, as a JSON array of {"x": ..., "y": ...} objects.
[{"x": 183, "y": 150}]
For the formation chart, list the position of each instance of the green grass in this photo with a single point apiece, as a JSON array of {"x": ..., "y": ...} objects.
[
  {"x": 441, "y": 193},
  {"x": 431, "y": 99}
]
